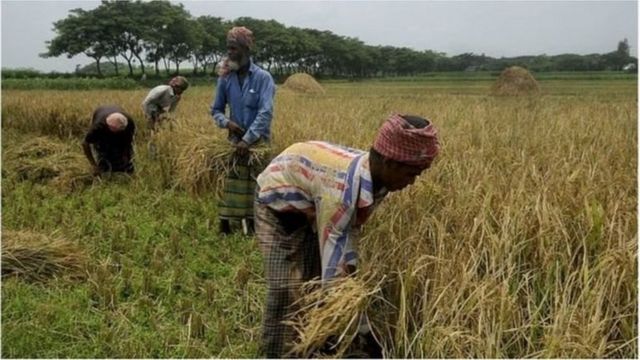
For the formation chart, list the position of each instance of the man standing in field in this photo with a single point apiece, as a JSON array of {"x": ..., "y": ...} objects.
[
  {"x": 312, "y": 200},
  {"x": 163, "y": 99},
  {"x": 249, "y": 92},
  {"x": 111, "y": 135}
]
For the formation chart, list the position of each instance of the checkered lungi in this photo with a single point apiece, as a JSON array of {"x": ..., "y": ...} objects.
[
  {"x": 239, "y": 189},
  {"x": 292, "y": 256}
]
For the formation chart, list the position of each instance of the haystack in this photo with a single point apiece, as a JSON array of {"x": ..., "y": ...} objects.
[
  {"x": 515, "y": 81},
  {"x": 36, "y": 257},
  {"x": 303, "y": 83},
  {"x": 43, "y": 160}
]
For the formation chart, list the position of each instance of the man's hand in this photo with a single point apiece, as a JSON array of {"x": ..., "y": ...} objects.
[
  {"x": 235, "y": 129},
  {"x": 242, "y": 148}
]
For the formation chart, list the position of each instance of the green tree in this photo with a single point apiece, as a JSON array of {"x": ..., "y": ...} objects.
[
  {"x": 125, "y": 23},
  {"x": 211, "y": 45},
  {"x": 78, "y": 33}
]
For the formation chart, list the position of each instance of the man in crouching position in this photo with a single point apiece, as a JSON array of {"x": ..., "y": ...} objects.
[
  {"x": 310, "y": 203},
  {"x": 111, "y": 135}
]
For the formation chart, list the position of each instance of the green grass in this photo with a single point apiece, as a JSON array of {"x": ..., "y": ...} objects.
[{"x": 162, "y": 261}]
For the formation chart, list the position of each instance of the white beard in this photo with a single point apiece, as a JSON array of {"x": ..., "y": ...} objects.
[{"x": 233, "y": 65}]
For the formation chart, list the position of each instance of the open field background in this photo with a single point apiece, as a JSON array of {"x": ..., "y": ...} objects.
[{"x": 519, "y": 242}]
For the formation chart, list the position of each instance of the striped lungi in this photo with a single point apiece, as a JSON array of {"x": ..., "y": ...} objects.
[
  {"x": 236, "y": 202},
  {"x": 291, "y": 257}
]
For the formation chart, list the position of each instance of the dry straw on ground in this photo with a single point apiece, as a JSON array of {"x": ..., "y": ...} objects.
[
  {"x": 303, "y": 83},
  {"x": 515, "y": 81},
  {"x": 36, "y": 257},
  {"x": 42, "y": 159}
]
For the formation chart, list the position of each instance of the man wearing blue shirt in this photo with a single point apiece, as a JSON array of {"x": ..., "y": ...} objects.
[{"x": 248, "y": 90}]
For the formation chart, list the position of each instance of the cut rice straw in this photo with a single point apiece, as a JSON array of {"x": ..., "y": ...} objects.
[{"x": 334, "y": 310}]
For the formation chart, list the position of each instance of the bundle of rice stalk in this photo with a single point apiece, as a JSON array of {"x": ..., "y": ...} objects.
[
  {"x": 36, "y": 257},
  {"x": 333, "y": 312},
  {"x": 203, "y": 164},
  {"x": 42, "y": 159},
  {"x": 303, "y": 83}
]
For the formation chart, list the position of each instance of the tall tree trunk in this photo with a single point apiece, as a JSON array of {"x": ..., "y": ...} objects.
[
  {"x": 177, "y": 67},
  {"x": 141, "y": 63},
  {"x": 98, "y": 66},
  {"x": 115, "y": 65},
  {"x": 166, "y": 65},
  {"x": 157, "y": 67}
]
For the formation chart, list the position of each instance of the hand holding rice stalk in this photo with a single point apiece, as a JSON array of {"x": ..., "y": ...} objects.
[
  {"x": 331, "y": 312},
  {"x": 203, "y": 157}
]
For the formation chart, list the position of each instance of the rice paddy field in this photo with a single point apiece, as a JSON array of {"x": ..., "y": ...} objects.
[{"x": 519, "y": 242}]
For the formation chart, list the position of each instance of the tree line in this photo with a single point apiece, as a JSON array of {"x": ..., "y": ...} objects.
[{"x": 159, "y": 36}]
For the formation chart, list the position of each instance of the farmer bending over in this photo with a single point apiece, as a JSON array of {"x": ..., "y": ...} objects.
[
  {"x": 310, "y": 203},
  {"x": 248, "y": 90},
  {"x": 111, "y": 135},
  {"x": 163, "y": 99}
]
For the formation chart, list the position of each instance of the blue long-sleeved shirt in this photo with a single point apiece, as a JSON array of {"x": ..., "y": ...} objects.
[{"x": 251, "y": 106}]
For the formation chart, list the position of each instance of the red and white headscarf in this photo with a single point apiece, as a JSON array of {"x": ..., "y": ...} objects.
[
  {"x": 241, "y": 35},
  {"x": 398, "y": 140}
]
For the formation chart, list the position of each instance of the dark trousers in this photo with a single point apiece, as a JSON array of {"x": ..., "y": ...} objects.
[{"x": 107, "y": 166}]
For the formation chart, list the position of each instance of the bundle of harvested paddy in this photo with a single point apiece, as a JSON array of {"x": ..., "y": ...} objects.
[
  {"x": 41, "y": 160},
  {"x": 36, "y": 257},
  {"x": 332, "y": 313},
  {"x": 515, "y": 81},
  {"x": 303, "y": 83},
  {"x": 199, "y": 159}
]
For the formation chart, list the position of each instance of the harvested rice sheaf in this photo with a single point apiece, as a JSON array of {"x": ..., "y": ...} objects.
[
  {"x": 35, "y": 257},
  {"x": 332, "y": 313},
  {"x": 199, "y": 159},
  {"x": 515, "y": 81},
  {"x": 303, "y": 83},
  {"x": 44, "y": 160}
]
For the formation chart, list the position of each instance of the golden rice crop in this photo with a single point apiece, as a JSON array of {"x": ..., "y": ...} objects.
[
  {"x": 66, "y": 114},
  {"x": 520, "y": 241},
  {"x": 332, "y": 311},
  {"x": 34, "y": 256},
  {"x": 197, "y": 159}
]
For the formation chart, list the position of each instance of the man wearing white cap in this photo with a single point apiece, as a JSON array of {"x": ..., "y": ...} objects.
[{"x": 111, "y": 135}]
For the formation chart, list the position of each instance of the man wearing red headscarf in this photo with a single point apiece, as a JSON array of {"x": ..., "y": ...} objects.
[
  {"x": 312, "y": 200},
  {"x": 247, "y": 91}
]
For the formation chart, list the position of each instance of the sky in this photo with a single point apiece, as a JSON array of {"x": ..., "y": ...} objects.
[{"x": 495, "y": 28}]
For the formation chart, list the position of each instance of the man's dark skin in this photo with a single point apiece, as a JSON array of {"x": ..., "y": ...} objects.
[
  {"x": 239, "y": 54},
  {"x": 392, "y": 175},
  {"x": 87, "y": 152}
]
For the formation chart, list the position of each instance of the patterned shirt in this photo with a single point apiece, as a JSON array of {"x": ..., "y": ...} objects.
[
  {"x": 160, "y": 99},
  {"x": 332, "y": 185}
]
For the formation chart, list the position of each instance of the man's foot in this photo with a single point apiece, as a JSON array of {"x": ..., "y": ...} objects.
[{"x": 225, "y": 227}]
